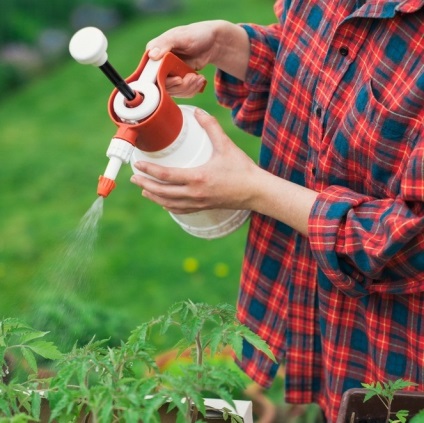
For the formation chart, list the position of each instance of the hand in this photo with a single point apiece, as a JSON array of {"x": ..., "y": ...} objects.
[
  {"x": 220, "y": 43},
  {"x": 227, "y": 180},
  {"x": 195, "y": 45}
]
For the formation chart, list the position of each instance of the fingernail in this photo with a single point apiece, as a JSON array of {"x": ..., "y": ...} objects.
[
  {"x": 200, "y": 111},
  {"x": 154, "y": 52},
  {"x": 133, "y": 179}
]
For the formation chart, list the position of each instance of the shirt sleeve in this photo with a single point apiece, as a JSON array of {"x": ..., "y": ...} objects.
[
  {"x": 248, "y": 99},
  {"x": 366, "y": 245}
]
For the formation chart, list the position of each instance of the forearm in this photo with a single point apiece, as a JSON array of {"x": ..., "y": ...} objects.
[
  {"x": 282, "y": 200},
  {"x": 232, "y": 49}
]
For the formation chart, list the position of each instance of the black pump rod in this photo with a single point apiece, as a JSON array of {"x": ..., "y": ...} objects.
[{"x": 118, "y": 81}]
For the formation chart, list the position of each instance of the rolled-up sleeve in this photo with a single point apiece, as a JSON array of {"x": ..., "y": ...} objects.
[
  {"x": 248, "y": 99},
  {"x": 364, "y": 244}
]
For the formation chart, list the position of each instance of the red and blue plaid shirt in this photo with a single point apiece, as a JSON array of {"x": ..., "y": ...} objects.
[{"x": 336, "y": 91}]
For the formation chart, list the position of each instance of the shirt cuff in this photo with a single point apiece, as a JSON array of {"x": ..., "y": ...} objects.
[{"x": 327, "y": 231}]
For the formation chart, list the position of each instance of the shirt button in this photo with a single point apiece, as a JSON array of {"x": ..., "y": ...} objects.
[
  {"x": 314, "y": 171},
  {"x": 318, "y": 112},
  {"x": 344, "y": 51}
]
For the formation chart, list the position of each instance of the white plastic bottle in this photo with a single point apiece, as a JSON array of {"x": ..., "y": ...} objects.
[{"x": 193, "y": 148}]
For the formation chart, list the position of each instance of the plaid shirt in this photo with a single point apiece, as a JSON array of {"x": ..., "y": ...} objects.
[{"x": 336, "y": 90}]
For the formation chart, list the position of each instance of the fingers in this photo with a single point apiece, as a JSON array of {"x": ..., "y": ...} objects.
[
  {"x": 212, "y": 127},
  {"x": 186, "y": 87},
  {"x": 170, "y": 192},
  {"x": 160, "y": 174}
]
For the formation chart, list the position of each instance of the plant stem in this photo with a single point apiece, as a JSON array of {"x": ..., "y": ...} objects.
[
  {"x": 199, "y": 350},
  {"x": 389, "y": 406}
]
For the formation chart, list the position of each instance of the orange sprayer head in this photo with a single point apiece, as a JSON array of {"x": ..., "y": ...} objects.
[
  {"x": 158, "y": 129},
  {"x": 105, "y": 186}
]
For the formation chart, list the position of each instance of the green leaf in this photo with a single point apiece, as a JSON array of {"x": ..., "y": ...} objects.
[
  {"x": 45, "y": 349},
  {"x": 30, "y": 359},
  {"x": 34, "y": 334},
  {"x": 214, "y": 341},
  {"x": 400, "y": 384},
  {"x": 35, "y": 404},
  {"x": 4, "y": 405},
  {"x": 2, "y": 356},
  {"x": 106, "y": 412},
  {"x": 418, "y": 418},
  {"x": 256, "y": 341},
  {"x": 236, "y": 343},
  {"x": 401, "y": 415},
  {"x": 152, "y": 406},
  {"x": 58, "y": 403},
  {"x": 177, "y": 399},
  {"x": 369, "y": 395}
]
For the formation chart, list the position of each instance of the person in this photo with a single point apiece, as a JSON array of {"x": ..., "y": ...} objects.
[{"x": 333, "y": 272}]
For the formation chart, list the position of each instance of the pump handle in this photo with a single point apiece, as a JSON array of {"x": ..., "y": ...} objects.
[{"x": 88, "y": 46}]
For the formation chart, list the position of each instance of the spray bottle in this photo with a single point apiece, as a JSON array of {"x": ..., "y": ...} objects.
[{"x": 153, "y": 128}]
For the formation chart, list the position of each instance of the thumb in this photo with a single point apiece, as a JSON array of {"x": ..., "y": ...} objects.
[
  {"x": 159, "y": 46},
  {"x": 211, "y": 126},
  {"x": 165, "y": 42}
]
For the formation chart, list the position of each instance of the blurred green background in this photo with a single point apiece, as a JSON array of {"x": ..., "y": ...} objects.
[{"x": 54, "y": 134}]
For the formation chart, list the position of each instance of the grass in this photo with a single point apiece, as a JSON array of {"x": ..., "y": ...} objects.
[{"x": 55, "y": 133}]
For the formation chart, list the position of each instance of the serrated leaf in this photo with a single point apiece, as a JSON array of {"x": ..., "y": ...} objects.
[
  {"x": 197, "y": 399},
  {"x": 214, "y": 341},
  {"x": 4, "y": 407},
  {"x": 35, "y": 334},
  {"x": 152, "y": 406},
  {"x": 367, "y": 386},
  {"x": 45, "y": 349},
  {"x": 369, "y": 395},
  {"x": 226, "y": 396},
  {"x": 56, "y": 407},
  {"x": 177, "y": 399},
  {"x": 400, "y": 384},
  {"x": 401, "y": 416},
  {"x": 191, "y": 329},
  {"x": 30, "y": 359},
  {"x": 236, "y": 343},
  {"x": 257, "y": 342},
  {"x": 35, "y": 404},
  {"x": 106, "y": 413}
]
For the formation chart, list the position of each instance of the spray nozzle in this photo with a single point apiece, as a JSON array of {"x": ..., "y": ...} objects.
[{"x": 119, "y": 152}]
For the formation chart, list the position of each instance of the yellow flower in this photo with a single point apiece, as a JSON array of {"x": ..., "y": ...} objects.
[
  {"x": 221, "y": 270},
  {"x": 190, "y": 265}
]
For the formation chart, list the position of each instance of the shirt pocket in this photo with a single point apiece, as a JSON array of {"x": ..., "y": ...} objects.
[{"x": 375, "y": 143}]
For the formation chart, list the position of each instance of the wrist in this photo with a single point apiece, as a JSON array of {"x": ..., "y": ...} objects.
[{"x": 232, "y": 48}]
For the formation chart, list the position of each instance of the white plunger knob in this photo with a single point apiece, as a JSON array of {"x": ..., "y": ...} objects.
[{"x": 88, "y": 46}]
